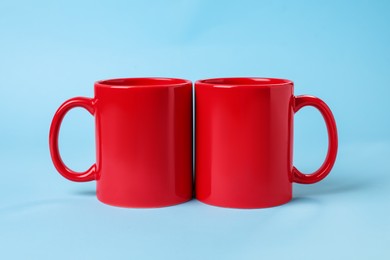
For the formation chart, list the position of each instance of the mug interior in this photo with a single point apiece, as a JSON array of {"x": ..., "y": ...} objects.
[
  {"x": 136, "y": 82},
  {"x": 246, "y": 81}
]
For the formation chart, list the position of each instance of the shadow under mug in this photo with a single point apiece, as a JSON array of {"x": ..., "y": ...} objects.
[
  {"x": 244, "y": 141},
  {"x": 143, "y": 141}
]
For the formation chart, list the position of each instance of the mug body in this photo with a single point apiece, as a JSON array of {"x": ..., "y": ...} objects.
[
  {"x": 143, "y": 141},
  {"x": 244, "y": 138}
]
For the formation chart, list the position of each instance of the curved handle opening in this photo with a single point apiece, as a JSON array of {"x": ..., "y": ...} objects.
[
  {"x": 89, "y": 105},
  {"x": 327, "y": 165}
]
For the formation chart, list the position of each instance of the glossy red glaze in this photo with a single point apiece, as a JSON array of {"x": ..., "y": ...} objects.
[
  {"x": 244, "y": 141},
  {"x": 144, "y": 141}
]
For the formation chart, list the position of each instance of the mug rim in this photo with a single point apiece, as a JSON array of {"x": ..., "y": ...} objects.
[
  {"x": 141, "y": 82},
  {"x": 229, "y": 82}
]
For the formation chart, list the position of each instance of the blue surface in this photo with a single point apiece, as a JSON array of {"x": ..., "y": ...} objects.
[{"x": 337, "y": 50}]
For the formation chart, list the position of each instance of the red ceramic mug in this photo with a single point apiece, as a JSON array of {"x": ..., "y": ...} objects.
[
  {"x": 143, "y": 141},
  {"x": 244, "y": 141}
]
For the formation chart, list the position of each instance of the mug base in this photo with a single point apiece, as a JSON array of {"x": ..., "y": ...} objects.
[
  {"x": 143, "y": 205},
  {"x": 245, "y": 206}
]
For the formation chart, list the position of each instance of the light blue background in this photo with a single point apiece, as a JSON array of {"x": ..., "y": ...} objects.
[{"x": 54, "y": 50}]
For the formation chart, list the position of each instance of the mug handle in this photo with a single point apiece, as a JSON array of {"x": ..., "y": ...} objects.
[
  {"x": 88, "y": 104},
  {"x": 326, "y": 167}
]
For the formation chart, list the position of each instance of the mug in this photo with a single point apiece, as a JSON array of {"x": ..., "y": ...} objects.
[
  {"x": 244, "y": 141},
  {"x": 143, "y": 141}
]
